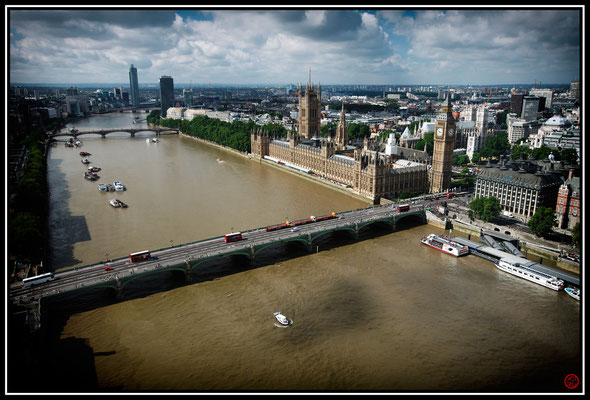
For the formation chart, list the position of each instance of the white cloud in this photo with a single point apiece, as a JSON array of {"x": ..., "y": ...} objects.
[{"x": 278, "y": 46}]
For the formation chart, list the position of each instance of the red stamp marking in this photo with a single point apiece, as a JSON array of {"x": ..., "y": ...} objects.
[{"x": 571, "y": 381}]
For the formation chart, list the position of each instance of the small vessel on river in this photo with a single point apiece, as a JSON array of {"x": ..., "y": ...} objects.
[
  {"x": 119, "y": 187},
  {"x": 282, "y": 320},
  {"x": 85, "y": 153},
  {"x": 446, "y": 245},
  {"x": 91, "y": 176},
  {"x": 85, "y": 161},
  {"x": 574, "y": 292}
]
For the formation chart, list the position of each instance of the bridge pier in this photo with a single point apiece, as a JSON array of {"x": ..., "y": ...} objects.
[
  {"x": 356, "y": 231},
  {"x": 118, "y": 289},
  {"x": 252, "y": 255},
  {"x": 309, "y": 240},
  {"x": 103, "y": 135},
  {"x": 132, "y": 134},
  {"x": 187, "y": 274}
]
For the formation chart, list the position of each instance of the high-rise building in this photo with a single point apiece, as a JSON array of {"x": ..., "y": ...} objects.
[
  {"x": 444, "y": 144},
  {"x": 516, "y": 100},
  {"x": 166, "y": 94},
  {"x": 309, "y": 111},
  {"x": 575, "y": 89},
  {"x": 530, "y": 108},
  {"x": 187, "y": 94},
  {"x": 134, "y": 86},
  {"x": 547, "y": 94}
]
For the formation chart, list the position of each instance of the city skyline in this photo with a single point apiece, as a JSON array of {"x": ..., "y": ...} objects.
[{"x": 260, "y": 46}]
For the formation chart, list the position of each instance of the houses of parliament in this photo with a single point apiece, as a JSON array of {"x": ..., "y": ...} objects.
[{"x": 372, "y": 171}]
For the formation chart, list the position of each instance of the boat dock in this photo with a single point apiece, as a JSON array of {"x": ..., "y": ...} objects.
[{"x": 494, "y": 254}]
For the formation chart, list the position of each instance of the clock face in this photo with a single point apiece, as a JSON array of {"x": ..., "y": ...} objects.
[
  {"x": 439, "y": 131},
  {"x": 451, "y": 132}
]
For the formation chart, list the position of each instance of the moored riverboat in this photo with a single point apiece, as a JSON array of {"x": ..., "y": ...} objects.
[
  {"x": 119, "y": 187},
  {"x": 91, "y": 176},
  {"x": 446, "y": 245},
  {"x": 529, "y": 274}
]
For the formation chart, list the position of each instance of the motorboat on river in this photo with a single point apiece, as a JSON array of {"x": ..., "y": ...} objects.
[
  {"x": 282, "y": 320},
  {"x": 114, "y": 203},
  {"x": 85, "y": 161},
  {"x": 574, "y": 292},
  {"x": 119, "y": 187},
  {"x": 94, "y": 169},
  {"x": 85, "y": 153}
]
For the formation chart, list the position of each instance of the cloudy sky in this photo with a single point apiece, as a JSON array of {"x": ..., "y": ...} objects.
[{"x": 280, "y": 46}]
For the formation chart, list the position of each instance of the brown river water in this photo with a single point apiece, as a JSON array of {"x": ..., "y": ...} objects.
[{"x": 381, "y": 314}]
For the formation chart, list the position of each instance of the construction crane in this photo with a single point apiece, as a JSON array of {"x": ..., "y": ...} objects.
[{"x": 488, "y": 99}]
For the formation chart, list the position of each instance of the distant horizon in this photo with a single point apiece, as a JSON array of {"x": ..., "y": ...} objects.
[{"x": 539, "y": 85}]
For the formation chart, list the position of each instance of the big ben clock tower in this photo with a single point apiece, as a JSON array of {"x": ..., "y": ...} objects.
[{"x": 444, "y": 144}]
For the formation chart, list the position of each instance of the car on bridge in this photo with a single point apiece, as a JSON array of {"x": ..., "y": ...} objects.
[{"x": 108, "y": 268}]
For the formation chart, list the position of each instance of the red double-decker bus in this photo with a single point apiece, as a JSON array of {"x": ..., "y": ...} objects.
[
  {"x": 140, "y": 256},
  {"x": 404, "y": 207},
  {"x": 233, "y": 237}
]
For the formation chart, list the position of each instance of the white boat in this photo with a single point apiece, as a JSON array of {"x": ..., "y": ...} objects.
[
  {"x": 114, "y": 203},
  {"x": 282, "y": 319},
  {"x": 574, "y": 292},
  {"x": 529, "y": 274},
  {"x": 445, "y": 245},
  {"x": 119, "y": 187},
  {"x": 102, "y": 187},
  {"x": 155, "y": 140},
  {"x": 85, "y": 161}
]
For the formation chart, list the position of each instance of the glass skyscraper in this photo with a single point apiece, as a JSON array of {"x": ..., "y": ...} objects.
[
  {"x": 134, "y": 86},
  {"x": 166, "y": 94}
]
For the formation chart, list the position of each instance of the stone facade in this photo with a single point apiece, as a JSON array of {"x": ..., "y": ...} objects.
[
  {"x": 369, "y": 173},
  {"x": 444, "y": 144},
  {"x": 309, "y": 111},
  {"x": 521, "y": 186},
  {"x": 568, "y": 209}
]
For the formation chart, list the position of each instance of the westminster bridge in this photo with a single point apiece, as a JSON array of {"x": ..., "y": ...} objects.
[{"x": 116, "y": 274}]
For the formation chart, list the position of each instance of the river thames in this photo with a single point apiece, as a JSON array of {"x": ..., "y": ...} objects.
[{"x": 381, "y": 314}]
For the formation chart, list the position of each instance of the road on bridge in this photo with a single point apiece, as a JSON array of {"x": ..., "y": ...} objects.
[{"x": 96, "y": 274}]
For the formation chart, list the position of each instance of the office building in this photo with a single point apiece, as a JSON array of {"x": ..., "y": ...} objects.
[
  {"x": 166, "y": 94},
  {"x": 134, "y": 86},
  {"x": 530, "y": 108},
  {"x": 547, "y": 94}
]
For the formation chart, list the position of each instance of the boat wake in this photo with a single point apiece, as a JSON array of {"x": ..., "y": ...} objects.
[{"x": 284, "y": 326}]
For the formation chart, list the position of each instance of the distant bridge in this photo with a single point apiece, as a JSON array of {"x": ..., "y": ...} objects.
[{"x": 104, "y": 132}]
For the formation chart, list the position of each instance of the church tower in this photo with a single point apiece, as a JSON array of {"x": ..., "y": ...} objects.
[
  {"x": 342, "y": 131},
  {"x": 309, "y": 111},
  {"x": 444, "y": 144}
]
